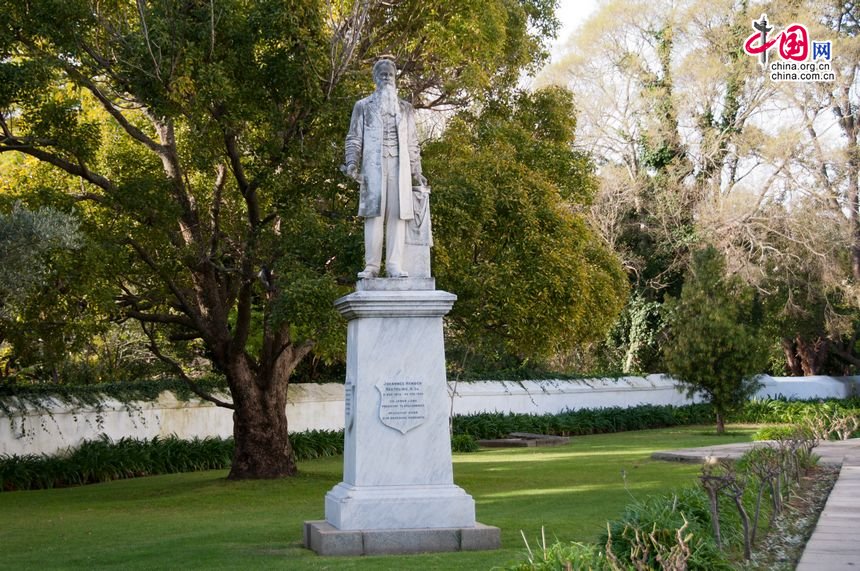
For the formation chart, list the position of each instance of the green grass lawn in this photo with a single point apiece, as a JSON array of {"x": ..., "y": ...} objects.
[{"x": 200, "y": 520}]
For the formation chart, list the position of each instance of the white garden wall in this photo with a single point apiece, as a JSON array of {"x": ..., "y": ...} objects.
[
  {"x": 322, "y": 407},
  {"x": 309, "y": 407}
]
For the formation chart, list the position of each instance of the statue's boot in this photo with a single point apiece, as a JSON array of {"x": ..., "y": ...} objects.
[{"x": 395, "y": 272}]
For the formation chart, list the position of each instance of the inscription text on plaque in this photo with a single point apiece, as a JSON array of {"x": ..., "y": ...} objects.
[{"x": 401, "y": 404}]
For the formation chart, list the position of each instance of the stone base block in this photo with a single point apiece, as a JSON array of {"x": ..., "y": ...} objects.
[
  {"x": 396, "y": 284},
  {"x": 350, "y": 507},
  {"x": 325, "y": 539}
]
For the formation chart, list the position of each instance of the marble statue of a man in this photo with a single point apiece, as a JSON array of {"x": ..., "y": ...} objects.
[{"x": 382, "y": 141}]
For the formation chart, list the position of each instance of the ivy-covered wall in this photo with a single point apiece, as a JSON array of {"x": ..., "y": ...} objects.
[{"x": 48, "y": 424}]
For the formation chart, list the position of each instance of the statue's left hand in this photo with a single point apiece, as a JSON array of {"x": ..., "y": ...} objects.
[
  {"x": 350, "y": 170},
  {"x": 419, "y": 180}
]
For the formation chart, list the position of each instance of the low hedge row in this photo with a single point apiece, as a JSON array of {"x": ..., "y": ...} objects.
[
  {"x": 103, "y": 460},
  {"x": 584, "y": 421},
  {"x": 783, "y": 411},
  {"x": 489, "y": 425}
]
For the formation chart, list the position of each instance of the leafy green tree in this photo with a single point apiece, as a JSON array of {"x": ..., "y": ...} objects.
[
  {"x": 41, "y": 298},
  {"x": 715, "y": 345},
  {"x": 205, "y": 139},
  {"x": 512, "y": 241},
  {"x": 27, "y": 238}
]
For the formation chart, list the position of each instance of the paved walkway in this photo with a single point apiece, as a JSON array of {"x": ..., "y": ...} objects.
[
  {"x": 831, "y": 452},
  {"x": 835, "y": 542}
]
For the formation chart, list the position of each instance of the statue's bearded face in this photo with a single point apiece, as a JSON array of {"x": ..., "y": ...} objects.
[
  {"x": 385, "y": 76},
  {"x": 385, "y": 85}
]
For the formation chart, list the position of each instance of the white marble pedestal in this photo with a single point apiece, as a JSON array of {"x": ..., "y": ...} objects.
[{"x": 398, "y": 493}]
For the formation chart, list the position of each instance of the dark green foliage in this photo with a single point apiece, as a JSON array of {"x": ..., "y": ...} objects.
[
  {"x": 27, "y": 238},
  {"x": 715, "y": 345},
  {"x": 103, "y": 460},
  {"x": 509, "y": 190},
  {"x": 202, "y": 139},
  {"x": 488, "y": 425},
  {"x": 484, "y": 368},
  {"x": 46, "y": 282},
  {"x": 633, "y": 343},
  {"x": 584, "y": 421},
  {"x": 464, "y": 443},
  {"x": 317, "y": 443},
  {"x": 783, "y": 411},
  {"x": 265, "y": 87}
]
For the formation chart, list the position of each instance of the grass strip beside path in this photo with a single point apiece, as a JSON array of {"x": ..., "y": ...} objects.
[{"x": 200, "y": 520}]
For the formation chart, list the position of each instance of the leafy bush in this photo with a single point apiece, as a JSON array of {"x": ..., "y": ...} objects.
[
  {"x": 317, "y": 444},
  {"x": 784, "y": 411},
  {"x": 661, "y": 517},
  {"x": 464, "y": 443},
  {"x": 775, "y": 432}
]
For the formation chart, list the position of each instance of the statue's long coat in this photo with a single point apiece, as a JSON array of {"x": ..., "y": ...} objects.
[{"x": 364, "y": 147}]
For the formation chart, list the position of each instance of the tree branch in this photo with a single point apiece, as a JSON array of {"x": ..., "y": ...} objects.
[
  {"x": 6, "y": 132},
  {"x": 184, "y": 305},
  {"x": 108, "y": 105},
  {"x": 164, "y": 318},
  {"x": 155, "y": 62},
  {"x": 215, "y": 211},
  {"x": 79, "y": 170},
  {"x": 243, "y": 316},
  {"x": 177, "y": 368},
  {"x": 845, "y": 356},
  {"x": 302, "y": 351},
  {"x": 248, "y": 189},
  {"x": 188, "y": 222}
]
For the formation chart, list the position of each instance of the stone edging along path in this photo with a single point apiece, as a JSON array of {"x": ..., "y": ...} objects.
[{"x": 835, "y": 542}]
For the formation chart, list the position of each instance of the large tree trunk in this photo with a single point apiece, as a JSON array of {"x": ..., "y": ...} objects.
[
  {"x": 805, "y": 357},
  {"x": 791, "y": 357},
  {"x": 263, "y": 448},
  {"x": 853, "y": 151},
  {"x": 812, "y": 354},
  {"x": 721, "y": 423}
]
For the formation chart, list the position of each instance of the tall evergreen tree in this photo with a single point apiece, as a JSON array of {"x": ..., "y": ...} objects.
[{"x": 715, "y": 345}]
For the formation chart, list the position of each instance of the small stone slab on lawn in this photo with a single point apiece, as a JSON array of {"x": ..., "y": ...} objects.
[{"x": 524, "y": 440}]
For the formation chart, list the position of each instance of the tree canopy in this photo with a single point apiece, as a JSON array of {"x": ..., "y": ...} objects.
[
  {"x": 696, "y": 145},
  {"x": 512, "y": 240},
  {"x": 197, "y": 143}
]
